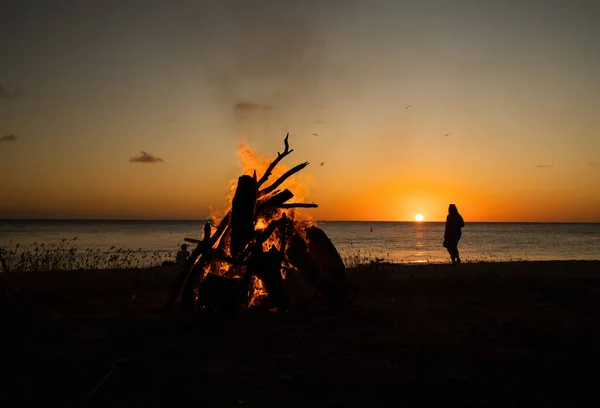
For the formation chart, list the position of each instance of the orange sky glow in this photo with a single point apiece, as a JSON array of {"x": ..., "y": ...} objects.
[{"x": 400, "y": 108}]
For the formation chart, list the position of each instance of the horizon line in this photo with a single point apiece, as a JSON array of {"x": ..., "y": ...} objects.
[{"x": 372, "y": 221}]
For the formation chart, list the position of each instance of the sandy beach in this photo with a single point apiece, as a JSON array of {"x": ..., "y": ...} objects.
[{"x": 480, "y": 334}]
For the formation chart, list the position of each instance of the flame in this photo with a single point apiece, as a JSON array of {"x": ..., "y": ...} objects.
[
  {"x": 258, "y": 291},
  {"x": 250, "y": 161}
]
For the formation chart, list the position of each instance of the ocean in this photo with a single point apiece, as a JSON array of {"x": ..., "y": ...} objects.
[{"x": 398, "y": 242}]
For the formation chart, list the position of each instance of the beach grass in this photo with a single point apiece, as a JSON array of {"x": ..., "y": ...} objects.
[{"x": 66, "y": 255}]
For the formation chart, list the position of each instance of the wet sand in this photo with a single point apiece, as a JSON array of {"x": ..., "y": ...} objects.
[{"x": 483, "y": 334}]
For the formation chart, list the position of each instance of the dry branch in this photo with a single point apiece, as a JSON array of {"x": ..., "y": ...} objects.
[
  {"x": 196, "y": 271},
  {"x": 276, "y": 199},
  {"x": 191, "y": 264},
  {"x": 297, "y": 205},
  {"x": 283, "y": 178},
  {"x": 193, "y": 240},
  {"x": 276, "y": 161}
]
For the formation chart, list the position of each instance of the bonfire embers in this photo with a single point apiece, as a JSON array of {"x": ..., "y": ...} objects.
[{"x": 261, "y": 256}]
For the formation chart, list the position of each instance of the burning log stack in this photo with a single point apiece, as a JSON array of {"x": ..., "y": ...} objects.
[{"x": 260, "y": 256}]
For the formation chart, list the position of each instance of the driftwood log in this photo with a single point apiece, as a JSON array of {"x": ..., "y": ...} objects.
[{"x": 243, "y": 214}]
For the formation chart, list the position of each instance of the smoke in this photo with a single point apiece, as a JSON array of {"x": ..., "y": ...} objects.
[
  {"x": 145, "y": 157},
  {"x": 252, "y": 117},
  {"x": 267, "y": 51}
]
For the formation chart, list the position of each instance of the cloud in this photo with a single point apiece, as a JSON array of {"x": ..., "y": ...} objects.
[
  {"x": 247, "y": 106},
  {"x": 8, "y": 138},
  {"x": 14, "y": 93},
  {"x": 145, "y": 157},
  {"x": 543, "y": 166},
  {"x": 592, "y": 164},
  {"x": 252, "y": 118}
]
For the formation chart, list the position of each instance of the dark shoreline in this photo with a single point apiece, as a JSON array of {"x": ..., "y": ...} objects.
[{"x": 481, "y": 334}]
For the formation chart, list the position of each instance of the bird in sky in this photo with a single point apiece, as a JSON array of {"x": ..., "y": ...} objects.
[
  {"x": 408, "y": 106},
  {"x": 447, "y": 134},
  {"x": 315, "y": 134},
  {"x": 322, "y": 163}
]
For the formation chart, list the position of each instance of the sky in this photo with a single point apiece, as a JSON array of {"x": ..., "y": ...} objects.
[{"x": 137, "y": 109}]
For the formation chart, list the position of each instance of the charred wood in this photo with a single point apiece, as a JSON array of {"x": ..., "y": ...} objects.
[
  {"x": 282, "y": 228},
  {"x": 243, "y": 214},
  {"x": 223, "y": 225},
  {"x": 275, "y": 162},
  {"x": 218, "y": 293},
  {"x": 283, "y": 178},
  {"x": 268, "y": 269},
  {"x": 304, "y": 281},
  {"x": 275, "y": 200},
  {"x": 325, "y": 255},
  {"x": 297, "y": 205},
  {"x": 183, "y": 277},
  {"x": 196, "y": 260},
  {"x": 267, "y": 232},
  {"x": 298, "y": 256},
  {"x": 197, "y": 270},
  {"x": 193, "y": 241},
  {"x": 321, "y": 265}
]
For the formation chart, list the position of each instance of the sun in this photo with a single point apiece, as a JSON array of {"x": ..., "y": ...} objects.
[{"x": 419, "y": 217}]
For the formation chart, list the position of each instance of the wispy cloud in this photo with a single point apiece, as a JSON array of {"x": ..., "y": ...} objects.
[
  {"x": 320, "y": 122},
  {"x": 543, "y": 166},
  {"x": 145, "y": 157},
  {"x": 14, "y": 93},
  {"x": 592, "y": 164},
  {"x": 248, "y": 106},
  {"x": 8, "y": 138},
  {"x": 252, "y": 119}
]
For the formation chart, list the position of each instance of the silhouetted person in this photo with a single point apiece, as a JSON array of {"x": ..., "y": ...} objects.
[
  {"x": 182, "y": 255},
  {"x": 453, "y": 232}
]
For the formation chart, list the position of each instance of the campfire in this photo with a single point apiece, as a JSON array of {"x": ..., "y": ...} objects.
[{"x": 261, "y": 254}]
